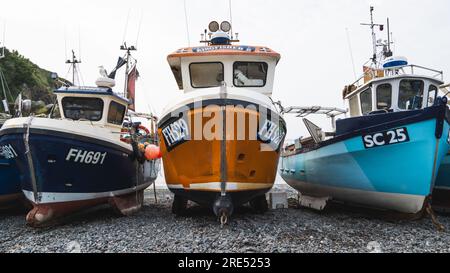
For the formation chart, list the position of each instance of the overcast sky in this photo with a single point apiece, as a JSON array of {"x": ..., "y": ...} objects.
[{"x": 309, "y": 34}]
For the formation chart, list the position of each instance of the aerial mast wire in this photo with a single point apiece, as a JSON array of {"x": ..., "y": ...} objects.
[
  {"x": 231, "y": 18},
  {"x": 139, "y": 29},
  {"x": 351, "y": 53},
  {"x": 126, "y": 26},
  {"x": 65, "y": 42},
  {"x": 79, "y": 74},
  {"x": 187, "y": 25},
  {"x": 2, "y": 54}
]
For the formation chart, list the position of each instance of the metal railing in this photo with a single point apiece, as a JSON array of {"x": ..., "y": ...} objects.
[{"x": 436, "y": 74}]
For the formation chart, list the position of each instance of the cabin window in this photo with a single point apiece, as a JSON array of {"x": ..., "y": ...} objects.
[
  {"x": 204, "y": 75},
  {"x": 249, "y": 74},
  {"x": 78, "y": 108},
  {"x": 384, "y": 96},
  {"x": 366, "y": 101},
  {"x": 410, "y": 94},
  {"x": 354, "y": 107},
  {"x": 432, "y": 93},
  {"x": 116, "y": 113}
]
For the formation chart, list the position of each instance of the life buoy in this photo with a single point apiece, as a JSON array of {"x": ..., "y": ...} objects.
[{"x": 125, "y": 133}]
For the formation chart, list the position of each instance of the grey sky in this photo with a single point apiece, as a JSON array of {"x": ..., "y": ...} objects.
[{"x": 309, "y": 34}]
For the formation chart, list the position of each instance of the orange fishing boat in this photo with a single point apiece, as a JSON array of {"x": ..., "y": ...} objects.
[{"x": 222, "y": 139}]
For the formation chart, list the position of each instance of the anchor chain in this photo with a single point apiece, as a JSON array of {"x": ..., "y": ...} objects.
[{"x": 223, "y": 219}]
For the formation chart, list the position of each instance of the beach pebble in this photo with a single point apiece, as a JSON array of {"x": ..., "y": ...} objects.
[{"x": 156, "y": 229}]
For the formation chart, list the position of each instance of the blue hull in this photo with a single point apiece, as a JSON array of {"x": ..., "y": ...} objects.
[
  {"x": 50, "y": 175},
  {"x": 441, "y": 191},
  {"x": 443, "y": 178},
  {"x": 395, "y": 177},
  {"x": 10, "y": 190}
]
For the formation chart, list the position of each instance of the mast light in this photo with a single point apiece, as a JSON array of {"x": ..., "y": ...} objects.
[
  {"x": 225, "y": 26},
  {"x": 213, "y": 26}
]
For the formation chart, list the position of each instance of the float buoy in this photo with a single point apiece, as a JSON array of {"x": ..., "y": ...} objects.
[{"x": 152, "y": 152}]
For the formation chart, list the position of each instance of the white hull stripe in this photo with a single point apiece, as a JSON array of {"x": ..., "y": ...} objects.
[
  {"x": 216, "y": 186},
  {"x": 57, "y": 197},
  {"x": 391, "y": 201}
]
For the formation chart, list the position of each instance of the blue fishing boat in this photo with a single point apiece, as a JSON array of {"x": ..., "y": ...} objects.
[
  {"x": 10, "y": 191},
  {"x": 387, "y": 153},
  {"x": 441, "y": 191},
  {"x": 83, "y": 158}
]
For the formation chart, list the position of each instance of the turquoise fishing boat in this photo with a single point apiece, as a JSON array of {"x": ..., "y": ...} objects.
[
  {"x": 441, "y": 191},
  {"x": 386, "y": 152}
]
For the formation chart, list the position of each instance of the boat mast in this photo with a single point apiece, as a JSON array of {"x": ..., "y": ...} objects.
[
  {"x": 127, "y": 59},
  {"x": 74, "y": 64},
  {"x": 372, "y": 26},
  {"x": 3, "y": 83}
]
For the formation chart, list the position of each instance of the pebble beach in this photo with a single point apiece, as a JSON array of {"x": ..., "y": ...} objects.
[{"x": 155, "y": 229}]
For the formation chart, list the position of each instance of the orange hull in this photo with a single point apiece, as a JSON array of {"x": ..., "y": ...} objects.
[{"x": 208, "y": 162}]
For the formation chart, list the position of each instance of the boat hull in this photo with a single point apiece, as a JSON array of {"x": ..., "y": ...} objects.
[
  {"x": 441, "y": 191},
  {"x": 398, "y": 177},
  {"x": 240, "y": 165},
  {"x": 65, "y": 172},
  {"x": 10, "y": 191}
]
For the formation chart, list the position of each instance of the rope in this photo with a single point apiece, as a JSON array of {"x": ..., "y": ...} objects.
[{"x": 434, "y": 219}]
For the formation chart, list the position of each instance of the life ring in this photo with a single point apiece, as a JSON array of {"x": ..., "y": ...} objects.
[{"x": 125, "y": 133}]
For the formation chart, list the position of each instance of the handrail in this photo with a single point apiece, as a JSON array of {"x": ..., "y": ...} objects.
[
  {"x": 400, "y": 71},
  {"x": 303, "y": 111}
]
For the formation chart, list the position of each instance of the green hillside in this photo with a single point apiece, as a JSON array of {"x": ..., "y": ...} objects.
[{"x": 23, "y": 76}]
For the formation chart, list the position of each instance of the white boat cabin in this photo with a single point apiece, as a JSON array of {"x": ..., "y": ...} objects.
[
  {"x": 393, "y": 90},
  {"x": 98, "y": 106},
  {"x": 238, "y": 66}
]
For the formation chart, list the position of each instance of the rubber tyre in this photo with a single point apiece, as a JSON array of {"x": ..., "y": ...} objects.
[
  {"x": 179, "y": 205},
  {"x": 259, "y": 204}
]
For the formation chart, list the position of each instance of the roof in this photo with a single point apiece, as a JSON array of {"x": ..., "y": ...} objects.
[
  {"x": 215, "y": 50},
  {"x": 351, "y": 90},
  {"x": 99, "y": 91}
]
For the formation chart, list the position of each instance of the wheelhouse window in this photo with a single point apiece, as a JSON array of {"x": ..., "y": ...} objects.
[
  {"x": 354, "y": 106},
  {"x": 366, "y": 101},
  {"x": 432, "y": 93},
  {"x": 249, "y": 74},
  {"x": 204, "y": 75},
  {"x": 77, "y": 108},
  {"x": 384, "y": 96},
  {"x": 410, "y": 94},
  {"x": 116, "y": 113}
]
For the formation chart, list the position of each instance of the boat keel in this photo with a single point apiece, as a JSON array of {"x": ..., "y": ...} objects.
[
  {"x": 128, "y": 204},
  {"x": 46, "y": 214}
]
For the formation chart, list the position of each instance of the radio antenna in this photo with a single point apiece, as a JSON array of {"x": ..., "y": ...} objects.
[
  {"x": 186, "y": 22},
  {"x": 372, "y": 26},
  {"x": 2, "y": 44},
  {"x": 351, "y": 52},
  {"x": 126, "y": 26},
  {"x": 139, "y": 29},
  {"x": 231, "y": 18}
]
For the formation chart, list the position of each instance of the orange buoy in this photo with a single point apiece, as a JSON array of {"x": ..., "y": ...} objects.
[{"x": 152, "y": 152}]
